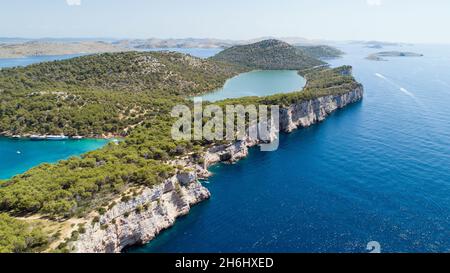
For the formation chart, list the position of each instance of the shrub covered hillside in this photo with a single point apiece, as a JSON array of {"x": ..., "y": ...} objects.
[
  {"x": 17, "y": 236},
  {"x": 101, "y": 94},
  {"x": 268, "y": 54}
]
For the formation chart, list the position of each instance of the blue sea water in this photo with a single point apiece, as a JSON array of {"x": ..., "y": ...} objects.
[
  {"x": 13, "y": 62},
  {"x": 258, "y": 83},
  {"x": 378, "y": 170},
  {"x": 17, "y": 156}
]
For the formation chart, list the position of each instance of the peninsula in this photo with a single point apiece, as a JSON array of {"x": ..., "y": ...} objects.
[{"x": 127, "y": 193}]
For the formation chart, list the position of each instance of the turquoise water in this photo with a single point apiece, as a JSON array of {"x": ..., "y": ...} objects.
[
  {"x": 258, "y": 83},
  {"x": 377, "y": 170},
  {"x": 17, "y": 156},
  {"x": 4, "y": 63}
]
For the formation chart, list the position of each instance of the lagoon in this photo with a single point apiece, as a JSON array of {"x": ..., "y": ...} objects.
[{"x": 258, "y": 83}]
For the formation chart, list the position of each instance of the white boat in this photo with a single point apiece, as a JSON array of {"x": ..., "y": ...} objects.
[
  {"x": 54, "y": 137},
  {"x": 37, "y": 137},
  {"x": 77, "y": 137}
]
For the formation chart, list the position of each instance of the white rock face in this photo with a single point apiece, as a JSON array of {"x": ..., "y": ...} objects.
[
  {"x": 127, "y": 223},
  {"x": 141, "y": 219},
  {"x": 306, "y": 113},
  {"x": 302, "y": 114}
]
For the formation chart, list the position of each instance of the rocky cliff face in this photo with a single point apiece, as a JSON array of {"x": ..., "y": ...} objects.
[
  {"x": 298, "y": 115},
  {"x": 309, "y": 112},
  {"x": 138, "y": 221}
]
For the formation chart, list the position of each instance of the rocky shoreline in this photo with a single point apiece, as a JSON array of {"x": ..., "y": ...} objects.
[
  {"x": 140, "y": 220},
  {"x": 29, "y": 136}
]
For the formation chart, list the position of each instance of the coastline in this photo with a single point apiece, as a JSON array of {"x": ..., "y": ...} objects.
[
  {"x": 30, "y": 136},
  {"x": 140, "y": 220}
]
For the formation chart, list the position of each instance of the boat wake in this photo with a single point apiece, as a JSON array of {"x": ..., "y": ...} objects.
[{"x": 402, "y": 89}]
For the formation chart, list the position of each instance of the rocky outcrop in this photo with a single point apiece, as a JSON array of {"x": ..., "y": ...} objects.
[
  {"x": 139, "y": 220},
  {"x": 298, "y": 115},
  {"x": 309, "y": 112}
]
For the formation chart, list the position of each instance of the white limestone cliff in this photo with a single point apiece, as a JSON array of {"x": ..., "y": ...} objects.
[{"x": 140, "y": 220}]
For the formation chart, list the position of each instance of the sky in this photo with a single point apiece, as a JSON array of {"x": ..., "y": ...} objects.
[{"x": 412, "y": 21}]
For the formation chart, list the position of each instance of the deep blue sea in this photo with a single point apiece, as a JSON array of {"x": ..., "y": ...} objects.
[
  {"x": 378, "y": 170},
  {"x": 17, "y": 156}
]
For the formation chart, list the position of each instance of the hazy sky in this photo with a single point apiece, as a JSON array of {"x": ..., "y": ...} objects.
[{"x": 388, "y": 20}]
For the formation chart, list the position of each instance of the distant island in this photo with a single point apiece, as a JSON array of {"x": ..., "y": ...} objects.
[
  {"x": 207, "y": 42},
  {"x": 47, "y": 48},
  {"x": 21, "y": 47},
  {"x": 380, "y": 56},
  {"x": 377, "y": 44}
]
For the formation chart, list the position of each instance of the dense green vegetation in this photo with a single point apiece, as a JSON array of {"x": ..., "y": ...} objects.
[
  {"x": 89, "y": 96},
  {"x": 17, "y": 236},
  {"x": 101, "y": 94},
  {"x": 268, "y": 54},
  {"x": 321, "y": 51}
]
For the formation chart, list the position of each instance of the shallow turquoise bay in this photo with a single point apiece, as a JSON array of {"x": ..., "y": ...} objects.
[{"x": 17, "y": 156}]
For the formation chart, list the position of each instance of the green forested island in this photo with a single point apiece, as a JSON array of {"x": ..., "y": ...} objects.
[
  {"x": 268, "y": 54},
  {"x": 120, "y": 93},
  {"x": 380, "y": 56}
]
